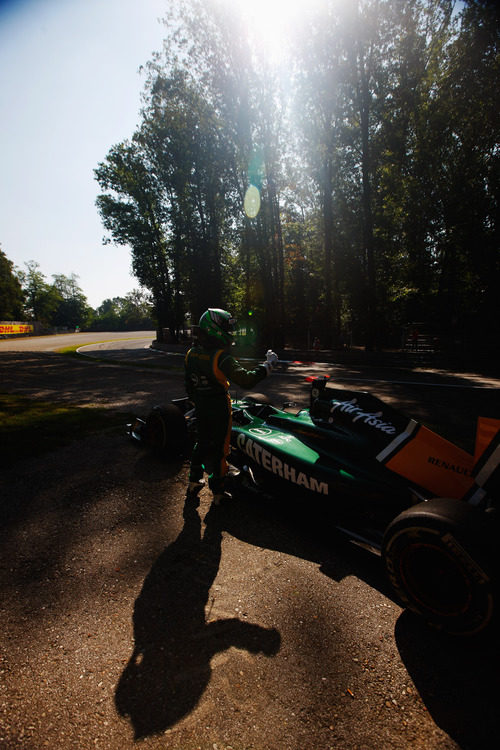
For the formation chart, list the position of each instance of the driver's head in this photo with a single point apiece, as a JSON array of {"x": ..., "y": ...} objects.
[{"x": 218, "y": 325}]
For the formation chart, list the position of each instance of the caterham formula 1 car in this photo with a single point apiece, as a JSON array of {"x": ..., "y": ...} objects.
[{"x": 427, "y": 506}]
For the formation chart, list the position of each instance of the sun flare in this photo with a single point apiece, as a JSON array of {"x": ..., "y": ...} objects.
[{"x": 269, "y": 21}]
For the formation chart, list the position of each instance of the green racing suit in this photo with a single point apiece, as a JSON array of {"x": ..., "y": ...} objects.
[{"x": 208, "y": 374}]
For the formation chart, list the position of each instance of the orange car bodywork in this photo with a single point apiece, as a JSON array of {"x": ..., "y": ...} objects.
[{"x": 443, "y": 468}]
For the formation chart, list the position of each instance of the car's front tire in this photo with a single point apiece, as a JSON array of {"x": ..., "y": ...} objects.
[
  {"x": 165, "y": 431},
  {"x": 437, "y": 556}
]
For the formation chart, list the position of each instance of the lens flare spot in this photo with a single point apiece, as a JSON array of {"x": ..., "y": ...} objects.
[{"x": 251, "y": 204}]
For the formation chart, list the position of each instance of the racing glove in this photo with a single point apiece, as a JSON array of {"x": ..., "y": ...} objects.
[{"x": 271, "y": 361}]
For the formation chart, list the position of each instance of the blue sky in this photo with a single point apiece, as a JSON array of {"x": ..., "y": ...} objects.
[{"x": 69, "y": 90}]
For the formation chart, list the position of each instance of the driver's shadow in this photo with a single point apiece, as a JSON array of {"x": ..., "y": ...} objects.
[{"x": 170, "y": 665}]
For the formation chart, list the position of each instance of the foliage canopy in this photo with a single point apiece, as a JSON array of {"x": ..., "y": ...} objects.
[{"x": 373, "y": 145}]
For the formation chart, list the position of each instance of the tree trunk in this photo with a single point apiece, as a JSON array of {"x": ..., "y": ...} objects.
[
  {"x": 368, "y": 238},
  {"x": 328, "y": 317}
]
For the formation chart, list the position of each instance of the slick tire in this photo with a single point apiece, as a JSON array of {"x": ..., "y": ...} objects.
[
  {"x": 165, "y": 431},
  {"x": 438, "y": 557}
]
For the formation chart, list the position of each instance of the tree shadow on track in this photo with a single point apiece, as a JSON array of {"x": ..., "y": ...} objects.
[
  {"x": 170, "y": 665},
  {"x": 64, "y": 379},
  {"x": 456, "y": 679}
]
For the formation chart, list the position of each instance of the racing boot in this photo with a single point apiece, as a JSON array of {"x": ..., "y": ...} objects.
[
  {"x": 231, "y": 479},
  {"x": 233, "y": 472},
  {"x": 223, "y": 486}
]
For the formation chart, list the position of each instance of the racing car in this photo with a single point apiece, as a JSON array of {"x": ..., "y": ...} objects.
[{"x": 428, "y": 507}]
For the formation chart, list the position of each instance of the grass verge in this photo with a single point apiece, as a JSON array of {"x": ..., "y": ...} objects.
[{"x": 29, "y": 427}]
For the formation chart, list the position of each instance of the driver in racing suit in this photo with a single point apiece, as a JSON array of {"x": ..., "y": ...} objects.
[{"x": 209, "y": 369}]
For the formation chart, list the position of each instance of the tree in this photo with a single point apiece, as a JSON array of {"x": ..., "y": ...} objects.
[
  {"x": 72, "y": 310},
  {"x": 189, "y": 164},
  {"x": 61, "y": 304},
  {"x": 185, "y": 141},
  {"x": 133, "y": 211},
  {"x": 132, "y": 312},
  {"x": 320, "y": 64},
  {"x": 136, "y": 311},
  {"x": 469, "y": 179},
  {"x": 408, "y": 135},
  {"x": 378, "y": 198},
  {"x": 11, "y": 294},
  {"x": 41, "y": 299}
]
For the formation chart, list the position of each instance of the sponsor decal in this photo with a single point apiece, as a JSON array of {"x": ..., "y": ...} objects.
[
  {"x": 449, "y": 466},
  {"x": 260, "y": 431},
  {"x": 280, "y": 468},
  {"x": 15, "y": 328},
  {"x": 372, "y": 419}
]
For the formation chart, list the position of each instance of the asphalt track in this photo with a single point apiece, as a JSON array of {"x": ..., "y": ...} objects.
[
  {"x": 131, "y": 619},
  {"x": 138, "y": 349}
]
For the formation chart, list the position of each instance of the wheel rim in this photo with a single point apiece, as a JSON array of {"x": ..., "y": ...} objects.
[{"x": 435, "y": 580}]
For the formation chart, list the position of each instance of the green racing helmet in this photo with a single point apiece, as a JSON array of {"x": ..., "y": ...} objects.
[{"x": 218, "y": 324}]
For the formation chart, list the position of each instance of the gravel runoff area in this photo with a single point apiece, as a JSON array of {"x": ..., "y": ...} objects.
[{"x": 132, "y": 618}]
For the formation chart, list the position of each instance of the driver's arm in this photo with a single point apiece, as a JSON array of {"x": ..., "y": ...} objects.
[{"x": 235, "y": 373}]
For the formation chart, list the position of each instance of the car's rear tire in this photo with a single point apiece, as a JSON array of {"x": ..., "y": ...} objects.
[
  {"x": 437, "y": 558},
  {"x": 165, "y": 431}
]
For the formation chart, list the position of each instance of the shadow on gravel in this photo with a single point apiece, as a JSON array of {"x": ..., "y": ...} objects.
[
  {"x": 456, "y": 678},
  {"x": 170, "y": 666},
  {"x": 311, "y": 535}
]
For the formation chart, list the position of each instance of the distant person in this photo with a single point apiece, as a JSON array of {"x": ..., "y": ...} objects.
[
  {"x": 414, "y": 340},
  {"x": 209, "y": 370}
]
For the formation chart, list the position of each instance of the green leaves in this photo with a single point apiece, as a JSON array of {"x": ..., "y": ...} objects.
[
  {"x": 11, "y": 294},
  {"x": 378, "y": 171}
]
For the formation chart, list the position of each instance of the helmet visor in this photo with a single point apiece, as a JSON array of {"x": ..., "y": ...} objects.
[{"x": 223, "y": 320}]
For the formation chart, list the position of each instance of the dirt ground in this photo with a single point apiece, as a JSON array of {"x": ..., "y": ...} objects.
[{"x": 131, "y": 617}]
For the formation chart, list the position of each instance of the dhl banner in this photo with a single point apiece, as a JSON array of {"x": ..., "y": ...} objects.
[{"x": 15, "y": 328}]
